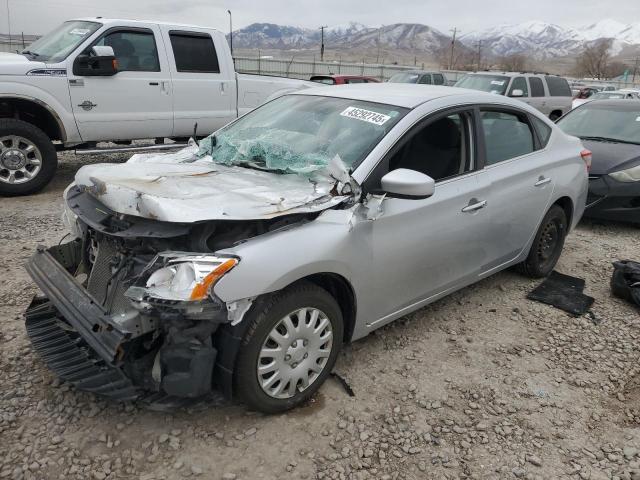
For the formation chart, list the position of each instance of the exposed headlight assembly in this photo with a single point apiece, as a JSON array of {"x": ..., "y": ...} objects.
[
  {"x": 629, "y": 175},
  {"x": 184, "y": 277}
]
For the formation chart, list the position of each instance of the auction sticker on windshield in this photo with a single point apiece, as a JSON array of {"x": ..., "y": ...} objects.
[
  {"x": 79, "y": 31},
  {"x": 365, "y": 115}
]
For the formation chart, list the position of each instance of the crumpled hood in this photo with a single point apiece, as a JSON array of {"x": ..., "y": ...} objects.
[
  {"x": 163, "y": 187},
  {"x": 14, "y": 64}
]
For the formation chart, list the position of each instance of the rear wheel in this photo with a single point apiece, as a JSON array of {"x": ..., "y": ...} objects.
[
  {"x": 547, "y": 244},
  {"x": 289, "y": 349},
  {"x": 28, "y": 159}
]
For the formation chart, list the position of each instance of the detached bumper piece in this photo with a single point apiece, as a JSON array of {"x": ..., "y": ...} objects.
[{"x": 71, "y": 358}]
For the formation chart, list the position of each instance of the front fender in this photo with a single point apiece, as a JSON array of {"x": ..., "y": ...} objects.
[
  {"x": 57, "y": 103},
  {"x": 270, "y": 262}
]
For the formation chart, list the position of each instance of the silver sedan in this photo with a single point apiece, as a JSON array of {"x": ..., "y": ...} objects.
[{"x": 244, "y": 263}]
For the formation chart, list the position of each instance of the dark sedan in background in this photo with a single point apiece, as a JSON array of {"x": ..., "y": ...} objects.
[{"x": 611, "y": 130}]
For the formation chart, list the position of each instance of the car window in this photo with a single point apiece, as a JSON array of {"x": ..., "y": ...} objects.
[
  {"x": 440, "y": 149},
  {"x": 325, "y": 80},
  {"x": 506, "y": 135},
  {"x": 354, "y": 80},
  {"x": 519, "y": 83},
  {"x": 537, "y": 88},
  {"x": 438, "y": 79},
  {"x": 543, "y": 130},
  {"x": 194, "y": 52},
  {"x": 135, "y": 50},
  {"x": 486, "y": 83},
  {"x": 558, "y": 87},
  {"x": 425, "y": 79}
]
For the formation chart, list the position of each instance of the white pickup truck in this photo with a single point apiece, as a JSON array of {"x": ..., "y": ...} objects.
[{"x": 94, "y": 80}]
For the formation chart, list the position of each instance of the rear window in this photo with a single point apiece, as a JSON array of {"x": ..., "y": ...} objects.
[
  {"x": 542, "y": 129},
  {"x": 325, "y": 80},
  {"x": 537, "y": 88},
  {"x": 194, "y": 52},
  {"x": 558, "y": 87}
]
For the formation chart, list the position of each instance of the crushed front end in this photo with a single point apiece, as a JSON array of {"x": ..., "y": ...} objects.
[{"x": 127, "y": 308}]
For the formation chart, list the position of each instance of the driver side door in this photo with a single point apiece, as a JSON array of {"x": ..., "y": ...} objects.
[
  {"x": 134, "y": 103},
  {"x": 425, "y": 248}
]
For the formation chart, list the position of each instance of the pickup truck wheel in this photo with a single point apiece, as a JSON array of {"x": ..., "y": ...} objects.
[
  {"x": 28, "y": 159},
  {"x": 289, "y": 349},
  {"x": 547, "y": 244}
]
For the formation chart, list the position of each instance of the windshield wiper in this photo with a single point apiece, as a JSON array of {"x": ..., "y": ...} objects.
[
  {"x": 29, "y": 52},
  {"x": 608, "y": 139}
]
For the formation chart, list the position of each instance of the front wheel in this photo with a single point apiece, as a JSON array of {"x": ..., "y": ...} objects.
[
  {"x": 289, "y": 349},
  {"x": 547, "y": 244},
  {"x": 28, "y": 159}
]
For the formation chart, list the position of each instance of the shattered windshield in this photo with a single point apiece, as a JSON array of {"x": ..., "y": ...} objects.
[
  {"x": 302, "y": 134},
  {"x": 57, "y": 45}
]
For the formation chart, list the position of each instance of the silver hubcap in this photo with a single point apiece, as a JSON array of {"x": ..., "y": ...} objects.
[
  {"x": 20, "y": 159},
  {"x": 295, "y": 353}
]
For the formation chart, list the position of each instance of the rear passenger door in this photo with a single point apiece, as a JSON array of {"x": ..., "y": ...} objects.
[
  {"x": 520, "y": 174},
  {"x": 537, "y": 97},
  {"x": 204, "y": 90}
]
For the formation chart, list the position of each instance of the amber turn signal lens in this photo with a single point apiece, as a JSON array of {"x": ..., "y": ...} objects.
[{"x": 201, "y": 289}]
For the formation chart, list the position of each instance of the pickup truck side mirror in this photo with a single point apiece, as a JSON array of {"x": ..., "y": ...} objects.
[
  {"x": 517, "y": 93},
  {"x": 99, "y": 62},
  {"x": 409, "y": 184}
]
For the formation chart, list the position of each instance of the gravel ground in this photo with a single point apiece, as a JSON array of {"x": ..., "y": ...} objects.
[{"x": 482, "y": 384}]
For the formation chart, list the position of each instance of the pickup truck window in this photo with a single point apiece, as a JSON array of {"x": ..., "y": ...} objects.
[
  {"x": 58, "y": 44},
  {"x": 194, "y": 52},
  {"x": 135, "y": 50}
]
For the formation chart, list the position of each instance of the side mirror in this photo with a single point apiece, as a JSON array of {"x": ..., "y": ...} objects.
[
  {"x": 517, "y": 93},
  {"x": 99, "y": 62},
  {"x": 405, "y": 183}
]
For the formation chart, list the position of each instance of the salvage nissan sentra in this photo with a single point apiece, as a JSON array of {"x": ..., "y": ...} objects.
[{"x": 244, "y": 263}]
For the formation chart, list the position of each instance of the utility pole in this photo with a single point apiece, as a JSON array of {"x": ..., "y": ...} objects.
[
  {"x": 453, "y": 45},
  {"x": 322, "y": 42},
  {"x": 9, "y": 24},
  {"x": 378, "y": 55},
  {"x": 230, "y": 33},
  {"x": 635, "y": 70},
  {"x": 479, "y": 53}
]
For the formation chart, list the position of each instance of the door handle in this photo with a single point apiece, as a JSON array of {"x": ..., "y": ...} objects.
[
  {"x": 477, "y": 205},
  {"x": 222, "y": 88},
  {"x": 541, "y": 181},
  {"x": 154, "y": 84}
]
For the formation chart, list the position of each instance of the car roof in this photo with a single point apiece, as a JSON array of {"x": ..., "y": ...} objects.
[
  {"x": 418, "y": 71},
  {"x": 118, "y": 21},
  {"x": 620, "y": 103},
  {"x": 332, "y": 75},
  {"x": 406, "y": 95},
  {"x": 608, "y": 92}
]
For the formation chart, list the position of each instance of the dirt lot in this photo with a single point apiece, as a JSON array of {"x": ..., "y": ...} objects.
[{"x": 482, "y": 384}]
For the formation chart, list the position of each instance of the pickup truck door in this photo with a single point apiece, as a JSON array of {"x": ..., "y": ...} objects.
[
  {"x": 134, "y": 103},
  {"x": 203, "y": 77}
]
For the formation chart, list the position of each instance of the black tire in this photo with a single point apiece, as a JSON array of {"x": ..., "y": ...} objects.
[
  {"x": 553, "y": 116},
  {"x": 48, "y": 155},
  {"x": 262, "y": 321},
  {"x": 547, "y": 244}
]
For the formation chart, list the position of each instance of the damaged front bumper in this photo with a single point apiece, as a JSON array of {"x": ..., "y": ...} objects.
[{"x": 123, "y": 355}]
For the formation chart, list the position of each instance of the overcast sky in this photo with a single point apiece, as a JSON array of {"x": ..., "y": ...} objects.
[{"x": 40, "y": 16}]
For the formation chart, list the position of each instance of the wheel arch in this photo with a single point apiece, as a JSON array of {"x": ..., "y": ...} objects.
[
  {"x": 567, "y": 205},
  {"x": 33, "y": 111}
]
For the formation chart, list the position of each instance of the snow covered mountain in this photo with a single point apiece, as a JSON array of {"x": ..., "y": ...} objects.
[
  {"x": 546, "y": 40},
  {"x": 538, "y": 39}
]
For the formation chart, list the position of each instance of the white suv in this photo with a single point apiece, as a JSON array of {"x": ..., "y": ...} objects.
[{"x": 550, "y": 94}]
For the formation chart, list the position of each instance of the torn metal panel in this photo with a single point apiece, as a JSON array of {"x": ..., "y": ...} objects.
[{"x": 181, "y": 188}]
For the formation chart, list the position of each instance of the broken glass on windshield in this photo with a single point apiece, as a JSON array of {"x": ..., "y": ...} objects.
[{"x": 302, "y": 134}]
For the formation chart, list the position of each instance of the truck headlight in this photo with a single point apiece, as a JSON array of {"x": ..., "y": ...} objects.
[
  {"x": 629, "y": 175},
  {"x": 186, "y": 277}
]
